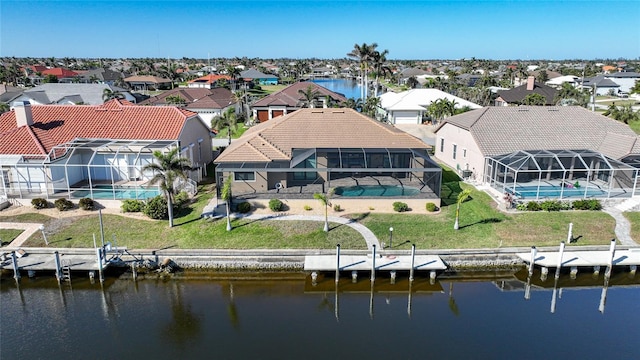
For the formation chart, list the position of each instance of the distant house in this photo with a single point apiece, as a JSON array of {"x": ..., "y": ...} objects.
[
  {"x": 63, "y": 75},
  {"x": 626, "y": 80},
  {"x": 69, "y": 94},
  {"x": 314, "y": 150},
  {"x": 603, "y": 85},
  {"x": 258, "y": 77},
  {"x": 147, "y": 82},
  {"x": 95, "y": 151},
  {"x": 410, "y": 107},
  {"x": 517, "y": 95},
  {"x": 101, "y": 76},
  {"x": 289, "y": 100},
  {"x": 539, "y": 152},
  {"x": 208, "y": 81},
  {"x": 208, "y": 103},
  {"x": 557, "y": 82}
]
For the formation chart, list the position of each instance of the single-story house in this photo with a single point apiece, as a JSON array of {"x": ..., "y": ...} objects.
[
  {"x": 208, "y": 81},
  {"x": 410, "y": 107},
  {"x": 289, "y": 99},
  {"x": 602, "y": 84},
  {"x": 313, "y": 150},
  {"x": 542, "y": 152},
  {"x": 516, "y": 95},
  {"x": 208, "y": 103},
  {"x": 95, "y": 151},
  {"x": 259, "y": 77},
  {"x": 147, "y": 82},
  {"x": 69, "y": 94}
]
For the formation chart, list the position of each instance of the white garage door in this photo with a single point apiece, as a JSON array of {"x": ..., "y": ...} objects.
[{"x": 406, "y": 117}]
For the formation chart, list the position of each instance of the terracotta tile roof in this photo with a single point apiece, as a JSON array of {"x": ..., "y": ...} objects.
[
  {"x": 315, "y": 128},
  {"x": 289, "y": 96},
  {"x": 117, "y": 119},
  {"x": 60, "y": 73},
  {"x": 504, "y": 129},
  {"x": 210, "y": 79}
]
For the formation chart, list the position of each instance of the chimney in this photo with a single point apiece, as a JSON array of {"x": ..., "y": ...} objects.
[
  {"x": 24, "y": 116},
  {"x": 530, "y": 83}
]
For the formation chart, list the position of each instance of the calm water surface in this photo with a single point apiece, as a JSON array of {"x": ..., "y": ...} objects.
[
  {"x": 348, "y": 88},
  {"x": 247, "y": 317}
]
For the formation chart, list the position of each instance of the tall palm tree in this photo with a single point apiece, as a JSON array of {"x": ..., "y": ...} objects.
[
  {"x": 363, "y": 53},
  {"x": 308, "y": 96},
  {"x": 234, "y": 74},
  {"x": 324, "y": 199},
  {"x": 108, "y": 94},
  {"x": 226, "y": 195},
  {"x": 351, "y": 103},
  {"x": 166, "y": 169},
  {"x": 378, "y": 60},
  {"x": 227, "y": 120},
  {"x": 462, "y": 196}
]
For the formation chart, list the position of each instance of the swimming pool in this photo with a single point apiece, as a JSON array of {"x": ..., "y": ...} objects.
[
  {"x": 119, "y": 192},
  {"x": 375, "y": 190},
  {"x": 557, "y": 191}
]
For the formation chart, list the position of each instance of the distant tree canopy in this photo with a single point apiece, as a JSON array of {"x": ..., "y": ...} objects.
[
  {"x": 534, "y": 99},
  {"x": 50, "y": 79}
]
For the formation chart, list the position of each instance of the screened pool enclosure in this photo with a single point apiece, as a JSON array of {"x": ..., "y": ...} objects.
[
  {"x": 559, "y": 174},
  {"x": 94, "y": 168}
]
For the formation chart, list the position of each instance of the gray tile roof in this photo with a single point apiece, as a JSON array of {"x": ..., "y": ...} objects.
[
  {"x": 504, "y": 129},
  {"x": 600, "y": 81},
  {"x": 517, "y": 94},
  {"x": 91, "y": 94},
  {"x": 255, "y": 74}
]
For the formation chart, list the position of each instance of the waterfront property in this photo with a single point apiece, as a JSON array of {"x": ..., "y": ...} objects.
[
  {"x": 95, "y": 151},
  {"x": 289, "y": 100},
  {"x": 537, "y": 152},
  {"x": 313, "y": 150}
]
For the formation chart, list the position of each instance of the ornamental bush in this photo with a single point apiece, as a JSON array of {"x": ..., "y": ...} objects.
[
  {"x": 533, "y": 206},
  {"x": 156, "y": 208},
  {"x": 87, "y": 204},
  {"x": 592, "y": 204},
  {"x": 132, "y": 205},
  {"x": 275, "y": 205},
  {"x": 244, "y": 207},
  {"x": 63, "y": 204},
  {"x": 399, "y": 206},
  {"x": 431, "y": 207},
  {"x": 39, "y": 203},
  {"x": 181, "y": 199}
]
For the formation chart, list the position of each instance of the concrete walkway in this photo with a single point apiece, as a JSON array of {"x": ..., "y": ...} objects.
[
  {"x": 623, "y": 227},
  {"x": 29, "y": 229}
]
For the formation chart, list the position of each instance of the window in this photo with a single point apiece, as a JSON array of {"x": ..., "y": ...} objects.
[
  {"x": 455, "y": 149},
  {"x": 244, "y": 176},
  {"x": 441, "y": 145}
]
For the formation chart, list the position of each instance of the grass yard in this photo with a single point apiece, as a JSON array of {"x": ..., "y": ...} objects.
[
  {"x": 634, "y": 219},
  {"x": 7, "y": 235},
  {"x": 481, "y": 226}
]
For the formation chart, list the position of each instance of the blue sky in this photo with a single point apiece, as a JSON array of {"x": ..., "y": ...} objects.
[{"x": 486, "y": 29}]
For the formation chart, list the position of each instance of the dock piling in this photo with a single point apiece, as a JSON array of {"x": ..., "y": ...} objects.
[
  {"x": 632, "y": 270},
  {"x": 574, "y": 272},
  {"x": 534, "y": 251},
  {"x": 413, "y": 262},
  {"x": 393, "y": 276},
  {"x": 354, "y": 276},
  {"x": 612, "y": 253},
  {"x": 560, "y": 260},
  {"x": 16, "y": 270},
  {"x": 544, "y": 272},
  {"x": 570, "y": 233},
  {"x": 58, "y": 266}
]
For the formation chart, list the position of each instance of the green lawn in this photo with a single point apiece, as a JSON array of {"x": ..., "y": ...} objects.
[
  {"x": 7, "y": 235},
  {"x": 634, "y": 219},
  {"x": 481, "y": 226}
]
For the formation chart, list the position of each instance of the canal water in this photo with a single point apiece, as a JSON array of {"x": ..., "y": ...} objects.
[
  {"x": 347, "y": 87},
  {"x": 287, "y": 316}
]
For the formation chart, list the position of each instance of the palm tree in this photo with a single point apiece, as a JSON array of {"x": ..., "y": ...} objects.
[
  {"x": 176, "y": 100},
  {"x": 324, "y": 199},
  {"x": 351, "y": 103},
  {"x": 226, "y": 195},
  {"x": 624, "y": 113},
  {"x": 379, "y": 59},
  {"x": 227, "y": 120},
  {"x": 370, "y": 106},
  {"x": 166, "y": 170},
  {"x": 363, "y": 53},
  {"x": 571, "y": 95},
  {"x": 234, "y": 74},
  {"x": 108, "y": 94},
  {"x": 308, "y": 96},
  {"x": 462, "y": 196},
  {"x": 534, "y": 99}
]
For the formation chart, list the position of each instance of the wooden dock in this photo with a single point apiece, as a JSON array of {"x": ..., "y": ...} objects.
[
  {"x": 550, "y": 259},
  {"x": 365, "y": 263}
]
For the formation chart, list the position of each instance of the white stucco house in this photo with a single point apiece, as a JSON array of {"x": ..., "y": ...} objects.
[{"x": 409, "y": 107}]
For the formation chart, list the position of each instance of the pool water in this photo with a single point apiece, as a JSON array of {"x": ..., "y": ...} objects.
[
  {"x": 108, "y": 192},
  {"x": 375, "y": 190},
  {"x": 556, "y": 191}
]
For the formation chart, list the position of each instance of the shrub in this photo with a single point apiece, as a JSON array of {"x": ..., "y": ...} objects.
[
  {"x": 244, "y": 207},
  {"x": 39, "y": 203},
  {"x": 399, "y": 206},
  {"x": 521, "y": 206},
  {"x": 592, "y": 204},
  {"x": 156, "y": 208},
  {"x": 132, "y": 205},
  {"x": 63, "y": 204},
  {"x": 431, "y": 207},
  {"x": 533, "y": 206},
  {"x": 181, "y": 199},
  {"x": 337, "y": 207},
  {"x": 87, "y": 204},
  {"x": 275, "y": 205},
  {"x": 551, "y": 205},
  {"x": 308, "y": 208}
]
